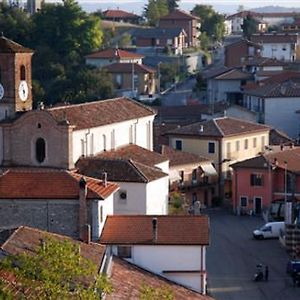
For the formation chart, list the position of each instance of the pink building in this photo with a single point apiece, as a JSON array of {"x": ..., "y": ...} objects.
[{"x": 258, "y": 181}]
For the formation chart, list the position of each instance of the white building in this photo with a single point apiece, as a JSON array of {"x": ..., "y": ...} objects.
[
  {"x": 141, "y": 174},
  {"x": 281, "y": 46},
  {"x": 158, "y": 244},
  {"x": 276, "y": 102}
]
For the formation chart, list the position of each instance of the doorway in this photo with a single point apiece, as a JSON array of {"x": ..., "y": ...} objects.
[{"x": 257, "y": 203}]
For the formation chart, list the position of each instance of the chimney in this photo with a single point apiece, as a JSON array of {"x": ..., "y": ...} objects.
[
  {"x": 82, "y": 207},
  {"x": 275, "y": 161},
  {"x": 105, "y": 179},
  {"x": 86, "y": 233},
  {"x": 154, "y": 229},
  {"x": 201, "y": 128}
]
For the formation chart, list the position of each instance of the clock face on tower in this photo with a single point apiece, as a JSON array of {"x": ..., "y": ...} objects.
[
  {"x": 1, "y": 91},
  {"x": 23, "y": 90}
]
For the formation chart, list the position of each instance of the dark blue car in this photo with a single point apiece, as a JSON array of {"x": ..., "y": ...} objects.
[{"x": 293, "y": 265}]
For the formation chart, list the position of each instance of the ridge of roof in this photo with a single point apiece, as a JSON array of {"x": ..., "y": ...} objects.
[
  {"x": 138, "y": 170},
  {"x": 217, "y": 125}
]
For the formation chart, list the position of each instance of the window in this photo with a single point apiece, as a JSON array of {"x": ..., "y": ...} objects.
[
  {"x": 228, "y": 148},
  {"x": 211, "y": 147},
  {"x": 104, "y": 142},
  {"x": 254, "y": 142},
  {"x": 178, "y": 145},
  {"x": 101, "y": 214},
  {"x": 256, "y": 179},
  {"x": 122, "y": 195},
  {"x": 246, "y": 144},
  {"x": 124, "y": 251},
  {"x": 40, "y": 150},
  {"x": 22, "y": 73},
  {"x": 237, "y": 146},
  {"x": 181, "y": 174},
  {"x": 243, "y": 201},
  {"x": 263, "y": 142},
  {"x": 194, "y": 176},
  {"x": 194, "y": 198}
]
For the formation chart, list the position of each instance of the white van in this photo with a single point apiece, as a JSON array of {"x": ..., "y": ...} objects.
[{"x": 269, "y": 230}]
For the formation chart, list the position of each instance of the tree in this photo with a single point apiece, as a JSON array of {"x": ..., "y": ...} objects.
[
  {"x": 172, "y": 4},
  {"x": 15, "y": 24},
  {"x": 150, "y": 293},
  {"x": 58, "y": 271},
  {"x": 155, "y": 9},
  {"x": 125, "y": 40},
  {"x": 168, "y": 74},
  {"x": 249, "y": 26},
  {"x": 212, "y": 23}
]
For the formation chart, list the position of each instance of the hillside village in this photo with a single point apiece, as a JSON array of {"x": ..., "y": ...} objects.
[{"x": 160, "y": 186}]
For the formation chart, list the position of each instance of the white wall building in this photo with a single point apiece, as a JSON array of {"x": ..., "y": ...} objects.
[
  {"x": 157, "y": 243},
  {"x": 144, "y": 189}
]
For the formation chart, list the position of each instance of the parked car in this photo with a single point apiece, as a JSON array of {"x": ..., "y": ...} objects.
[
  {"x": 293, "y": 265},
  {"x": 269, "y": 230}
]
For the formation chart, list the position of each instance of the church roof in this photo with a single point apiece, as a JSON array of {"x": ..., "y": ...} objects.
[
  {"x": 99, "y": 113},
  {"x": 9, "y": 46}
]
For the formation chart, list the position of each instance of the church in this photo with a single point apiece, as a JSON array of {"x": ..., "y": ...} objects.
[{"x": 47, "y": 142}]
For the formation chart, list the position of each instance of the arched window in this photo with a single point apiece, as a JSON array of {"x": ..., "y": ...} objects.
[
  {"x": 23, "y": 73},
  {"x": 40, "y": 150}
]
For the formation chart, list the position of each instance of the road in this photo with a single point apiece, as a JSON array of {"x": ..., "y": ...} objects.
[
  {"x": 178, "y": 96},
  {"x": 232, "y": 258}
]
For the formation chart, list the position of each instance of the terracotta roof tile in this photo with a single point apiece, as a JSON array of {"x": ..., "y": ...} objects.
[
  {"x": 129, "y": 68},
  {"x": 37, "y": 183},
  {"x": 179, "y": 15},
  {"x": 278, "y": 137},
  {"x": 99, "y": 113},
  {"x": 120, "y": 170},
  {"x": 178, "y": 158},
  {"x": 9, "y": 46},
  {"x": 289, "y": 155},
  {"x": 171, "y": 230},
  {"x": 115, "y": 54},
  {"x": 219, "y": 127},
  {"x": 117, "y": 13},
  {"x": 267, "y": 38},
  {"x": 234, "y": 74},
  {"x": 27, "y": 240},
  {"x": 135, "y": 153},
  {"x": 127, "y": 280}
]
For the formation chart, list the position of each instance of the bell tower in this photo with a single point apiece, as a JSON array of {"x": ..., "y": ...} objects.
[{"x": 15, "y": 78}]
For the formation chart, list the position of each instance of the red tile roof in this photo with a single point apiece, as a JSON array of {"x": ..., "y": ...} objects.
[
  {"x": 177, "y": 14},
  {"x": 27, "y": 240},
  {"x": 219, "y": 127},
  {"x": 115, "y": 54},
  {"x": 289, "y": 155},
  {"x": 178, "y": 158},
  {"x": 135, "y": 153},
  {"x": 234, "y": 74},
  {"x": 99, "y": 113},
  {"x": 129, "y": 68},
  {"x": 117, "y": 13},
  {"x": 171, "y": 230},
  {"x": 38, "y": 183},
  {"x": 120, "y": 170},
  {"x": 266, "y": 38},
  {"x": 9, "y": 46},
  {"x": 128, "y": 279}
]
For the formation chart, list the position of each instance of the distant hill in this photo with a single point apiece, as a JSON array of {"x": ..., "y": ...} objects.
[{"x": 275, "y": 9}]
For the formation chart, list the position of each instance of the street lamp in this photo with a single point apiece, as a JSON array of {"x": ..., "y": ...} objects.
[{"x": 285, "y": 194}]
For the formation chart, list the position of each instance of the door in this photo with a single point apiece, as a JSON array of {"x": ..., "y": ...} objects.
[{"x": 257, "y": 201}]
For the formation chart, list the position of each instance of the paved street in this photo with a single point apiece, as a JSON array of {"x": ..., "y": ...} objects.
[
  {"x": 233, "y": 256},
  {"x": 178, "y": 96}
]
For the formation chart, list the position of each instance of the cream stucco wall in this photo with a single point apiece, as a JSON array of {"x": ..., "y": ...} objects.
[{"x": 94, "y": 140}]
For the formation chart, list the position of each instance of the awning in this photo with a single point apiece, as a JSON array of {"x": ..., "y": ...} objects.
[{"x": 208, "y": 170}]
